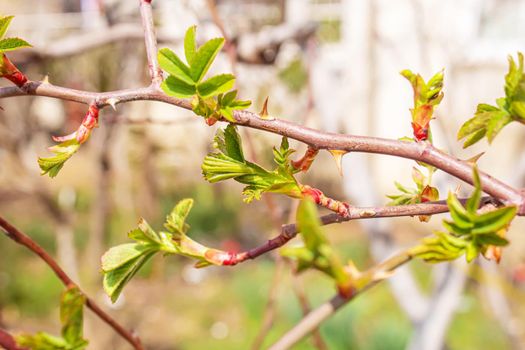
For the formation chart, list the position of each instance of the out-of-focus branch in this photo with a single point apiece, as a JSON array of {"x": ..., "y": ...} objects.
[
  {"x": 151, "y": 42},
  {"x": 320, "y": 314},
  {"x": 27, "y": 242}
]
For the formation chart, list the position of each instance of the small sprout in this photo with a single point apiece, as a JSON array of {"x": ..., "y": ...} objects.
[
  {"x": 69, "y": 144},
  {"x": 427, "y": 95}
]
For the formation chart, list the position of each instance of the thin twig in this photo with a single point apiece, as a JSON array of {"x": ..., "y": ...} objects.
[
  {"x": 289, "y": 231},
  {"x": 27, "y": 242}
]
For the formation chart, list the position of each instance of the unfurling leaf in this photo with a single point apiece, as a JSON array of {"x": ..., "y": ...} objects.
[
  {"x": 426, "y": 97},
  {"x": 317, "y": 252},
  {"x": 62, "y": 151},
  {"x": 489, "y": 120},
  {"x": 122, "y": 262},
  {"x": 229, "y": 163},
  {"x": 423, "y": 192},
  {"x": 71, "y": 317}
]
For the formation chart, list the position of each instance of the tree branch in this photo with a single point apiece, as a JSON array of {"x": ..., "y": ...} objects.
[
  {"x": 27, "y": 242},
  {"x": 419, "y": 151}
]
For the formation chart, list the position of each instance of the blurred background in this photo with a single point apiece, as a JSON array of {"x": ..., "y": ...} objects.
[{"x": 331, "y": 65}]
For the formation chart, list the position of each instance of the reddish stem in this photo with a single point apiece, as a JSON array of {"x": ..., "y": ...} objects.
[
  {"x": 8, "y": 342},
  {"x": 307, "y": 159},
  {"x": 27, "y": 242},
  {"x": 10, "y": 72}
]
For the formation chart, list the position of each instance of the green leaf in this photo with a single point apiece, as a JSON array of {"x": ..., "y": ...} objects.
[
  {"x": 176, "y": 220},
  {"x": 41, "y": 341},
  {"x": 494, "y": 221},
  {"x": 120, "y": 255},
  {"x": 203, "y": 58},
  {"x": 172, "y": 64},
  {"x": 472, "y": 251},
  {"x": 173, "y": 86},
  {"x": 190, "y": 46},
  {"x": 496, "y": 123},
  {"x": 310, "y": 225},
  {"x": 144, "y": 233},
  {"x": 4, "y": 24},
  {"x": 216, "y": 85},
  {"x": 229, "y": 163},
  {"x": 232, "y": 144},
  {"x": 62, "y": 151},
  {"x": 11, "y": 44},
  {"x": 492, "y": 239},
  {"x": 473, "y": 202},
  {"x": 115, "y": 280},
  {"x": 71, "y": 316}
]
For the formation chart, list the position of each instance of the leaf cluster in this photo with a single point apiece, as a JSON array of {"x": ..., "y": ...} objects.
[
  {"x": 427, "y": 95},
  {"x": 423, "y": 192},
  {"x": 228, "y": 162},
  {"x": 71, "y": 316},
  {"x": 317, "y": 252},
  {"x": 488, "y": 119},
  {"x": 469, "y": 232},
  {"x": 211, "y": 98},
  {"x": 121, "y": 263}
]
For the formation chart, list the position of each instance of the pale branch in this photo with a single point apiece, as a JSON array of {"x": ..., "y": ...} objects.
[
  {"x": 419, "y": 151},
  {"x": 26, "y": 241},
  {"x": 324, "y": 311},
  {"x": 151, "y": 42}
]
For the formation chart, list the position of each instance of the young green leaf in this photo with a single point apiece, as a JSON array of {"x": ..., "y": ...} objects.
[
  {"x": 172, "y": 64},
  {"x": 173, "y": 86},
  {"x": 120, "y": 255},
  {"x": 190, "y": 46},
  {"x": 11, "y": 44},
  {"x": 489, "y": 120},
  {"x": 203, "y": 58},
  {"x": 115, "y": 280},
  {"x": 62, "y": 151},
  {"x": 72, "y": 316},
  {"x": 216, "y": 85},
  {"x": 176, "y": 220},
  {"x": 4, "y": 24},
  {"x": 426, "y": 97},
  {"x": 317, "y": 252},
  {"x": 229, "y": 163}
]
